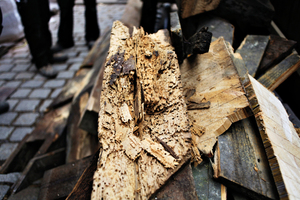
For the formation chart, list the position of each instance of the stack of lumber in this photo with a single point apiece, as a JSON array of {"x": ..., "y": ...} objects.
[{"x": 143, "y": 119}]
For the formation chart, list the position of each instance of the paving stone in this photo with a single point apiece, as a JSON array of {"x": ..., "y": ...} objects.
[
  {"x": 32, "y": 84},
  {"x": 56, "y": 92},
  {"x": 60, "y": 67},
  {"x": 27, "y": 105},
  {"x": 7, "y": 75},
  {"x": 6, "y": 61},
  {"x": 82, "y": 48},
  {"x": 45, "y": 105},
  {"x": 54, "y": 83},
  {"x": 21, "y": 93},
  {"x": 72, "y": 54},
  {"x": 5, "y": 67},
  {"x": 26, "y": 119},
  {"x": 3, "y": 190},
  {"x": 24, "y": 75},
  {"x": 39, "y": 77},
  {"x": 10, "y": 178},
  {"x": 6, "y": 149},
  {"x": 75, "y": 66},
  {"x": 66, "y": 74},
  {"x": 75, "y": 60},
  {"x": 19, "y": 133},
  {"x": 21, "y": 68},
  {"x": 21, "y": 61},
  {"x": 40, "y": 93},
  {"x": 7, "y": 118},
  {"x": 5, "y": 132},
  {"x": 83, "y": 54},
  {"x": 1, "y": 82},
  {"x": 12, "y": 103},
  {"x": 24, "y": 54},
  {"x": 13, "y": 84},
  {"x": 32, "y": 68}
]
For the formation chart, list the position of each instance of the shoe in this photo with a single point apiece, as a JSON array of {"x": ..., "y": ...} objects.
[
  {"x": 4, "y": 107},
  {"x": 90, "y": 44},
  {"x": 48, "y": 71},
  {"x": 58, "y": 48},
  {"x": 58, "y": 58}
]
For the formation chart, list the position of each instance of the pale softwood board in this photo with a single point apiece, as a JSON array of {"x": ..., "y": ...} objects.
[
  {"x": 141, "y": 109},
  {"x": 280, "y": 139},
  {"x": 213, "y": 77}
]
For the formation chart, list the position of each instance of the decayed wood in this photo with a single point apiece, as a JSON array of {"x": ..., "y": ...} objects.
[
  {"x": 206, "y": 186},
  {"x": 134, "y": 163},
  {"x": 276, "y": 75},
  {"x": 194, "y": 7},
  {"x": 252, "y": 50},
  {"x": 242, "y": 164},
  {"x": 213, "y": 77},
  {"x": 277, "y": 49},
  {"x": 281, "y": 142}
]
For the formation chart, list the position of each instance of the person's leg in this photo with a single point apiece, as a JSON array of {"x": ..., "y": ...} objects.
[
  {"x": 92, "y": 30},
  {"x": 65, "y": 30},
  {"x": 35, "y": 32}
]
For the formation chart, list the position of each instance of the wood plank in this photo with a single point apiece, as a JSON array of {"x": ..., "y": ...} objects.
[
  {"x": 277, "y": 49},
  {"x": 252, "y": 50},
  {"x": 280, "y": 139},
  {"x": 278, "y": 74},
  {"x": 58, "y": 182},
  {"x": 212, "y": 77},
  {"x": 194, "y": 7},
  {"x": 132, "y": 14},
  {"x": 36, "y": 168},
  {"x": 130, "y": 158},
  {"x": 180, "y": 186},
  {"x": 242, "y": 164},
  {"x": 206, "y": 186}
]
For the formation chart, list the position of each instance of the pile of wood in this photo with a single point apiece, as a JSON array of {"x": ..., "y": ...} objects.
[{"x": 144, "y": 119}]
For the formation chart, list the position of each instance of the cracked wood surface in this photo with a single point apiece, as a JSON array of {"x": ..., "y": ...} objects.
[
  {"x": 141, "y": 106},
  {"x": 212, "y": 77}
]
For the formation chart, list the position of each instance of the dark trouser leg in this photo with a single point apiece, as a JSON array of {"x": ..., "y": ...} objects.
[
  {"x": 92, "y": 30},
  {"x": 35, "y": 16},
  {"x": 65, "y": 30}
]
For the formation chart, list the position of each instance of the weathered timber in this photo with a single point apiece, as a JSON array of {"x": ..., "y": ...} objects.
[
  {"x": 79, "y": 142},
  {"x": 83, "y": 188},
  {"x": 141, "y": 99},
  {"x": 213, "y": 77},
  {"x": 99, "y": 49},
  {"x": 180, "y": 186},
  {"x": 241, "y": 161},
  {"x": 190, "y": 8},
  {"x": 176, "y": 35},
  {"x": 48, "y": 135},
  {"x": 278, "y": 74},
  {"x": 246, "y": 13},
  {"x": 36, "y": 168},
  {"x": 59, "y": 182},
  {"x": 252, "y": 50},
  {"x": 277, "y": 49},
  {"x": 206, "y": 186},
  {"x": 132, "y": 14},
  {"x": 280, "y": 139},
  {"x": 219, "y": 27},
  {"x": 69, "y": 90}
]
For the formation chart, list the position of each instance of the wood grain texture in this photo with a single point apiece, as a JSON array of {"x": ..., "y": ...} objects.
[
  {"x": 278, "y": 74},
  {"x": 242, "y": 163},
  {"x": 213, "y": 77},
  {"x": 252, "y": 50},
  {"x": 280, "y": 139},
  {"x": 141, "y": 101}
]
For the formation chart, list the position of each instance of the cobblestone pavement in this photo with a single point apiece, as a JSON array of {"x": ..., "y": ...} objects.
[{"x": 33, "y": 93}]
